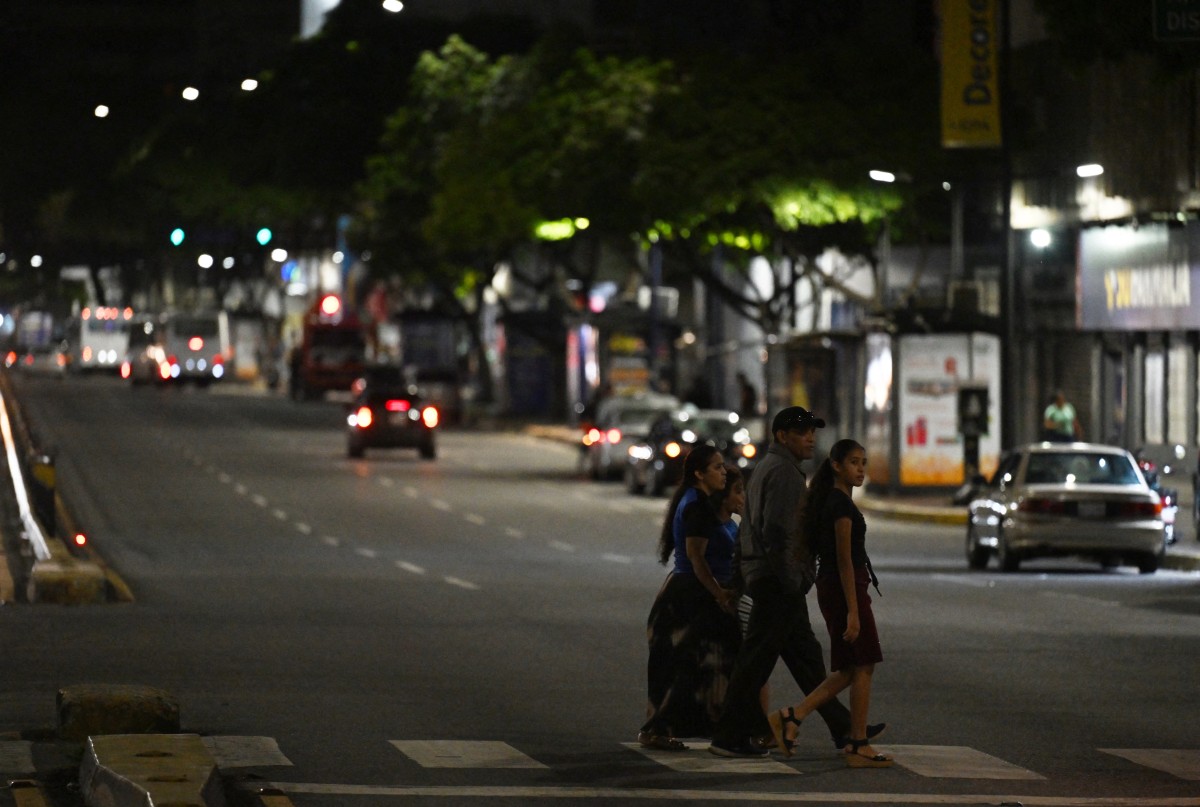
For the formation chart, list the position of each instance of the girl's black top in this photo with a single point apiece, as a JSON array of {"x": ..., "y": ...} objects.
[{"x": 838, "y": 506}]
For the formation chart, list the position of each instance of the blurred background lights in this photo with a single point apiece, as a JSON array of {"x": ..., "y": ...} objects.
[
  {"x": 35, "y": 261},
  {"x": 101, "y": 111},
  {"x": 393, "y": 6},
  {"x": 190, "y": 93},
  {"x": 279, "y": 255},
  {"x": 882, "y": 176},
  {"x": 250, "y": 84},
  {"x": 1040, "y": 238},
  {"x": 1089, "y": 170},
  {"x": 205, "y": 261},
  {"x": 228, "y": 263},
  {"x": 338, "y": 257}
]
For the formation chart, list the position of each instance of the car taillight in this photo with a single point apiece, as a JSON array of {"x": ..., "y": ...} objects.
[
  {"x": 429, "y": 416},
  {"x": 591, "y": 436},
  {"x": 125, "y": 369},
  {"x": 672, "y": 449},
  {"x": 218, "y": 359},
  {"x": 1139, "y": 510},
  {"x": 363, "y": 417},
  {"x": 1045, "y": 507},
  {"x": 398, "y": 405},
  {"x": 195, "y": 343},
  {"x": 613, "y": 436}
]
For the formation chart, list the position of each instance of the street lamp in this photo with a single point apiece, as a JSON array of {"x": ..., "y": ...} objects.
[
  {"x": 249, "y": 84},
  {"x": 101, "y": 111},
  {"x": 1089, "y": 170},
  {"x": 190, "y": 93},
  {"x": 394, "y": 6}
]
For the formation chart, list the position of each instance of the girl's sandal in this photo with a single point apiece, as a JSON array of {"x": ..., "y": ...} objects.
[
  {"x": 779, "y": 720},
  {"x": 659, "y": 742},
  {"x": 857, "y": 759}
]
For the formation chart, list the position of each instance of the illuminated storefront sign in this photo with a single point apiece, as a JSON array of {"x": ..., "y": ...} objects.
[{"x": 1139, "y": 279}]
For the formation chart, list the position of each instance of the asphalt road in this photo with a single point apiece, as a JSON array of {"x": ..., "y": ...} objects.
[{"x": 391, "y": 631}]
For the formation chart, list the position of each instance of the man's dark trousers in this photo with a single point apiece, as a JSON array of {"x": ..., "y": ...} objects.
[{"x": 778, "y": 628}]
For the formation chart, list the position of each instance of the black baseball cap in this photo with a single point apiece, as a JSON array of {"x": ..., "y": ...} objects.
[{"x": 795, "y": 417}]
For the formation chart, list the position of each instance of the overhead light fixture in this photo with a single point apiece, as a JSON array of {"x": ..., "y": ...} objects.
[
  {"x": 882, "y": 176},
  {"x": 1089, "y": 170}
]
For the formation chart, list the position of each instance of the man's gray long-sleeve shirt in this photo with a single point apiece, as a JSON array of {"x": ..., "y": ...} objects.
[{"x": 770, "y": 531}]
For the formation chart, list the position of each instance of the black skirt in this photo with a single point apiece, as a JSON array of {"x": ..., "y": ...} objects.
[{"x": 693, "y": 644}]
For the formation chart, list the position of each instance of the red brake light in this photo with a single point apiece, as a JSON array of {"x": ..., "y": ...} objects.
[
  {"x": 398, "y": 405},
  {"x": 591, "y": 436},
  {"x": 125, "y": 369},
  {"x": 1142, "y": 509},
  {"x": 331, "y": 304},
  {"x": 429, "y": 416},
  {"x": 218, "y": 359},
  {"x": 364, "y": 418},
  {"x": 1044, "y": 507},
  {"x": 613, "y": 436}
]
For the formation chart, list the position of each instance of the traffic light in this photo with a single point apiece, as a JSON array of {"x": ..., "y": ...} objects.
[
  {"x": 177, "y": 236},
  {"x": 263, "y": 236}
]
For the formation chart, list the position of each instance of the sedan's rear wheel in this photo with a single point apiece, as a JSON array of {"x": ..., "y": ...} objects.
[
  {"x": 1148, "y": 563},
  {"x": 1010, "y": 561},
  {"x": 977, "y": 555}
]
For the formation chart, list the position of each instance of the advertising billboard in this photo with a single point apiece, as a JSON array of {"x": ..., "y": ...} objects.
[
  {"x": 970, "y": 74},
  {"x": 1138, "y": 278}
]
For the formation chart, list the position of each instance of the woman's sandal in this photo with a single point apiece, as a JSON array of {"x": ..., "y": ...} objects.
[
  {"x": 779, "y": 722},
  {"x": 856, "y": 759},
  {"x": 659, "y": 742}
]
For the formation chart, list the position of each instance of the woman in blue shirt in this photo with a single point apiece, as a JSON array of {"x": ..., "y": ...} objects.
[{"x": 693, "y": 630}]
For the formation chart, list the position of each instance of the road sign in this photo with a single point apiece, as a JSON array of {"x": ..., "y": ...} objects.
[{"x": 1176, "y": 20}]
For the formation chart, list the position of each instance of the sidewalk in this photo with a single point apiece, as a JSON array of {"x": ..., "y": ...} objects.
[{"x": 1183, "y": 555}]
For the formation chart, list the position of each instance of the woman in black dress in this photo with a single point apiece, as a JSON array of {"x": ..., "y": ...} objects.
[
  {"x": 693, "y": 630},
  {"x": 837, "y": 535}
]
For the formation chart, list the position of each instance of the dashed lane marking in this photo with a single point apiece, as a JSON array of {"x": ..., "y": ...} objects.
[
  {"x": 409, "y": 567},
  {"x": 303, "y": 528},
  {"x": 240, "y": 489},
  {"x": 365, "y": 552},
  {"x": 955, "y": 762},
  {"x": 460, "y": 754},
  {"x": 224, "y": 478},
  {"x": 330, "y": 540},
  {"x": 1184, "y": 764},
  {"x": 475, "y": 519},
  {"x": 259, "y": 499},
  {"x": 386, "y": 481},
  {"x": 561, "y": 546},
  {"x": 457, "y": 581},
  {"x": 611, "y": 558},
  {"x": 440, "y": 504},
  {"x": 280, "y": 514},
  {"x": 513, "y": 532},
  {"x": 411, "y": 492},
  {"x": 705, "y": 762},
  {"x": 234, "y": 751}
]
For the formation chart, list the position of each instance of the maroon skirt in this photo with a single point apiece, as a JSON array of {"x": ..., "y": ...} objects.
[{"x": 863, "y": 650}]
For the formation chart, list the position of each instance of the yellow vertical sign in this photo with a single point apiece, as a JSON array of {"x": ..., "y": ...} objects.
[{"x": 970, "y": 74}]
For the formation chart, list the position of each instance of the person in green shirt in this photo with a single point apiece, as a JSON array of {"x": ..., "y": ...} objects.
[{"x": 1060, "y": 421}]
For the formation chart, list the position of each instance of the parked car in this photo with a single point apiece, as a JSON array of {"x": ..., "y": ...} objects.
[
  {"x": 1066, "y": 499},
  {"x": 656, "y": 463},
  {"x": 386, "y": 412},
  {"x": 621, "y": 421}
]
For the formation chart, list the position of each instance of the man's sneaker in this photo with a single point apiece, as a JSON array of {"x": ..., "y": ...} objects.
[
  {"x": 743, "y": 748},
  {"x": 873, "y": 731}
]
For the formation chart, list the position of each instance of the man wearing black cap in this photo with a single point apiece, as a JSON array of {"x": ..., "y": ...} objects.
[{"x": 778, "y": 574}]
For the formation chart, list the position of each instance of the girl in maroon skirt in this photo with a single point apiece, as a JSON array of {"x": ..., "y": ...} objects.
[{"x": 836, "y": 533}]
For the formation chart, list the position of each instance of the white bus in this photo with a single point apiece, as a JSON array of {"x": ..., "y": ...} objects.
[{"x": 98, "y": 338}]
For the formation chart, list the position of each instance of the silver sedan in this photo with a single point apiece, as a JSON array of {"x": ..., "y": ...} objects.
[{"x": 1059, "y": 499}]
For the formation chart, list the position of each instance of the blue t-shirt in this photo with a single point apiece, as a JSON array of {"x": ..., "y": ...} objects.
[{"x": 696, "y": 517}]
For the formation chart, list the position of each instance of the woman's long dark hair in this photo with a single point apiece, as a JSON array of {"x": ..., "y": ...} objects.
[
  {"x": 819, "y": 488},
  {"x": 697, "y": 460}
]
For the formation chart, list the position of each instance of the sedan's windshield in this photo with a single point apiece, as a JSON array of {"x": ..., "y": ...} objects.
[{"x": 1080, "y": 468}]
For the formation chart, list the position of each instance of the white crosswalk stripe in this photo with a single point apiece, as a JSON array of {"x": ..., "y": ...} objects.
[
  {"x": 699, "y": 760},
  {"x": 953, "y": 762},
  {"x": 1183, "y": 764},
  {"x": 464, "y": 754}
]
